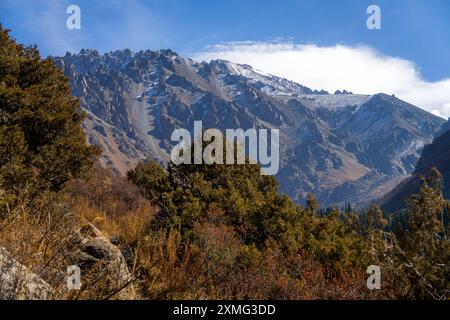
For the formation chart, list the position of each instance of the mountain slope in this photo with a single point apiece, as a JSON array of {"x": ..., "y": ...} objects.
[
  {"x": 342, "y": 147},
  {"x": 436, "y": 154}
]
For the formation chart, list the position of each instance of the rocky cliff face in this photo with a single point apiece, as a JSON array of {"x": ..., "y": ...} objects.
[
  {"x": 436, "y": 154},
  {"x": 342, "y": 146}
]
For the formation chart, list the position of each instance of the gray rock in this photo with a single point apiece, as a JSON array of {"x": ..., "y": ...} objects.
[
  {"x": 435, "y": 155},
  {"x": 96, "y": 247},
  {"x": 17, "y": 282}
]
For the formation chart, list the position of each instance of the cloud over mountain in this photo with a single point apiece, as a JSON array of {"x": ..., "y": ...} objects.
[
  {"x": 341, "y": 147},
  {"x": 360, "y": 69}
]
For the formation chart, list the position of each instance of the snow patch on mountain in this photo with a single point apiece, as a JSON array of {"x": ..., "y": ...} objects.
[
  {"x": 337, "y": 101},
  {"x": 337, "y": 146}
]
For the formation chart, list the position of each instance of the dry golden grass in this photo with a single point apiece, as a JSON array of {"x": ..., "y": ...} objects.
[
  {"x": 213, "y": 264},
  {"x": 40, "y": 235}
]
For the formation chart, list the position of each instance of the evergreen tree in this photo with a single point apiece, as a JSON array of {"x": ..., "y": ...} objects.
[
  {"x": 41, "y": 140},
  {"x": 249, "y": 201},
  {"x": 312, "y": 205},
  {"x": 415, "y": 260},
  {"x": 426, "y": 255}
]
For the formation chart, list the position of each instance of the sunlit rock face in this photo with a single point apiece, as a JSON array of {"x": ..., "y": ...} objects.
[
  {"x": 435, "y": 155},
  {"x": 341, "y": 147}
]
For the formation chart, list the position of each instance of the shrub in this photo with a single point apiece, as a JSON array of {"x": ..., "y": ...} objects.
[{"x": 41, "y": 138}]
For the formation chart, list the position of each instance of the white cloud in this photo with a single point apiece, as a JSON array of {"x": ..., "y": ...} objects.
[{"x": 359, "y": 69}]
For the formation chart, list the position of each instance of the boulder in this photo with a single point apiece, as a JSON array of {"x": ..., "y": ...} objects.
[
  {"x": 17, "y": 282},
  {"x": 95, "y": 248}
]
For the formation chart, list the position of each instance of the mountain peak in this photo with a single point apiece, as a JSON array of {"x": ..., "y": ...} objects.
[{"x": 338, "y": 146}]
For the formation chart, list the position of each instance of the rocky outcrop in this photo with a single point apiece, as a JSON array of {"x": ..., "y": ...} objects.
[
  {"x": 97, "y": 251},
  {"x": 17, "y": 282},
  {"x": 104, "y": 272}
]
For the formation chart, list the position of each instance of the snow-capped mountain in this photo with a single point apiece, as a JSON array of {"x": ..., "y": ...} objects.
[{"x": 342, "y": 146}]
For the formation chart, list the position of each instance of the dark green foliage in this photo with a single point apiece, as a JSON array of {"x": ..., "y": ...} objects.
[
  {"x": 249, "y": 201},
  {"x": 240, "y": 198},
  {"x": 425, "y": 241},
  {"x": 41, "y": 140},
  {"x": 416, "y": 257},
  {"x": 152, "y": 179}
]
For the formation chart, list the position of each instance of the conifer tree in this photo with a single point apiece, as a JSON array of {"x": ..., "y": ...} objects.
[
  {"x": 426, "y": 255},
  {"x": 41, "y": 140},
  {"x": 416, "y": 259}
]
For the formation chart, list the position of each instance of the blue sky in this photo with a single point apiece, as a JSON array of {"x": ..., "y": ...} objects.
[
  {"x": 415, "y": 31},
  {"x": 418, "y": 30}
]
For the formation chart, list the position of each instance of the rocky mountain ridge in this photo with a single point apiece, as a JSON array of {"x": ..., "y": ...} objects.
[
  {"x": 342, "y": 146},
  {"x": 435, "y": 155}
]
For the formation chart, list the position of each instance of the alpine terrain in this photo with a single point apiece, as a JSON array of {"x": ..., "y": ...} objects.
[
  {"x": 436, "y": 155},
  {"x": 342, "y": 147}
]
